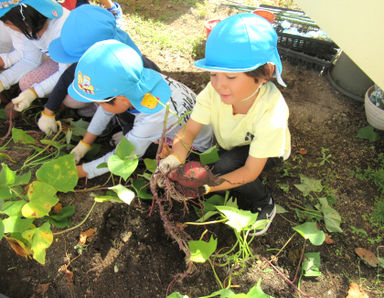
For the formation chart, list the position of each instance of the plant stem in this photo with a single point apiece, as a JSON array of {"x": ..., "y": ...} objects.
[
  {"x": 78, "y": 225},
  {"x": 205, "y": 223},
  {"x": 45, "y": 148},
  {"x": 215, "y": 274}
]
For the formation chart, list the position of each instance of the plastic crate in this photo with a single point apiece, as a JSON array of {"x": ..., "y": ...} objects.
[{"x": 309, "y": 52}]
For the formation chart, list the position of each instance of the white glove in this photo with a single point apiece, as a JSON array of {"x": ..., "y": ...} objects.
[
  {"x": 2, "y": 88},
  {"x": 80, "y": 150},
  {"x": 116, "y": 138},
  {"x": 24, "y": 100},
  {"x": 169, "y": 163},
  {"x": 47, "y": 124}
]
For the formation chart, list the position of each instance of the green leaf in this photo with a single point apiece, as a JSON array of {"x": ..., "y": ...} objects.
[
  {"x": 13, "y": 208},
  {"x": 310, "y": 231},
  {"x": 210, "y": 156},
  {"x": 332, "y": 218},
  {"x": 124, "y": 194},
  {"x": 224, "y": 293},
  {"x": 102, "y": 165},
  {"x": 201, "y": 250},
  {"x": 368, "y": 133},
  {"x": 177, "y": 295},
  {"x": 16, "y": 224},
  {"x": 61, "y": 219},
  {"x": 42, "y": 197},
  {"x": 41, "y": 238},
  {"x": 311, "y": 264},
  {"x": 107, "y": 198},
  {"x": 122, "y": 167},
  {"x": 280, "y": 209},
  {"x": 257, "y": 292},
  {"x": 7, "y": 176},
  {"x": 140, "y": 186},
  {"x": 79, "y": 127},
  {"x": 150, "y": 164},
  {"x": 61, "y": 173},
  {"x": 20, "y": 136},
  {"x": 238, "y": 219},
  {"x": 124, "y": 149},
  {"x": 9, "y": 179},
  {"x": 308, "y": 185}
]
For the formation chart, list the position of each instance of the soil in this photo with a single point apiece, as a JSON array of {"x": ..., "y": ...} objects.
[{"x": 131, "y": 255}]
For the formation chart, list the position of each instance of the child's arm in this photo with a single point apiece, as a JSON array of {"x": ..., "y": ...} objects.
[
  {"x": 181, "y": 145},
  {"x": 247, "y": 173}
]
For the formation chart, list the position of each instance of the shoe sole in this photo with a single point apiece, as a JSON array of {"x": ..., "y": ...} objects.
[{"x": 261, "y": 232}]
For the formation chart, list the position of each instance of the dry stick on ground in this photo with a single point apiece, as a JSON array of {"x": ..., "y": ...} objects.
[
  {"x": 286, "y": 279},
  {"x": 9, "y": 127}
]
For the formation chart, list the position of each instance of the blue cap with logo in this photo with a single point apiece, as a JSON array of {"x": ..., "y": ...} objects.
[
  {"x": 86, "y": 25},
  {"x": 48, "y": 8},
  {"x": 241, "y": 43},
  {"x": 110, "y": 68}
]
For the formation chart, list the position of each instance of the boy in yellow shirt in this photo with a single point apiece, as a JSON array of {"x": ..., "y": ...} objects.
[{"x": 248, "y": 113}]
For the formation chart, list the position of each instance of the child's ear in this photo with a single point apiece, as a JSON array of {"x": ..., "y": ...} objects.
[{"x": 269, "y": 70}]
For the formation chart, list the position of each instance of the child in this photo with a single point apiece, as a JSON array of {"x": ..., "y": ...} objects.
[
  {"x": 111, "y": 74},
  {"x": 40, "y": 22},
  {"x": 248, "y": 113},
  {"x": 112, "y": 7},
  {"x": 84, "y": 26}
]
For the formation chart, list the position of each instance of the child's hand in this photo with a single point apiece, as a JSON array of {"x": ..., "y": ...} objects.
[
  {"x": 47, "y": 123},
  {"x": 170, "y": 162},
  {"x": 80, "y": 172},
  {"x": 80, "y": 150},
  {"x": 24, "y": 100}
]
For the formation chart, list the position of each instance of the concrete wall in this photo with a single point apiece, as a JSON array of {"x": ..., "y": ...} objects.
[{"x": 358, "y": 29}]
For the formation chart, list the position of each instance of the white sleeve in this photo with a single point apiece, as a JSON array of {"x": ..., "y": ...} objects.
[
  {"x": 12, "y": 40},
  {"x": 32, "y": 57},
  {"x": 99, "y": 121},
  {"x": 91, "y": 167}
]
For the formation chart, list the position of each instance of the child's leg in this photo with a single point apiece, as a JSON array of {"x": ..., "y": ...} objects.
[
  {"x": 39, "y": 74},
  {"x": 250, "y": 196}
]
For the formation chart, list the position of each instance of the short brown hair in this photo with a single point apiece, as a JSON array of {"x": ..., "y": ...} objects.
[{"x": 263, "y": 72}]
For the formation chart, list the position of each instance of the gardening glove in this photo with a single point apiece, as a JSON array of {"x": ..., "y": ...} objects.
[
  {"x": 24, "y": 99},
  {"x": 2, "y": 88},
  {"x": 116, "y": 138},
  {"x": 80, "y": 150},
  {"x": 47, "y": 124},
  {"x": 170, "y": 162}
]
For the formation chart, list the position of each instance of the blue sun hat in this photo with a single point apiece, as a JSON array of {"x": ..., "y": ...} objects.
[
  {"x": 86, "y": 25},
  {"x": 48, "y": 8},
  {"x": 110, "y": 68},
  {"x": 241, "y": 43}
]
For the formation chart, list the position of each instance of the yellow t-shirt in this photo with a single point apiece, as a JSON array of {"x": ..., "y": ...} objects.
[{"x": 264, "y": 127}]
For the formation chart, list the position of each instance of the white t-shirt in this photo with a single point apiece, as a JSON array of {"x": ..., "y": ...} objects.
[
  {"x": 33, "y": 51},
  {"x": 148, "y": 128}
]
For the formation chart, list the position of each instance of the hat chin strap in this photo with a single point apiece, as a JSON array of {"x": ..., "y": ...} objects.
[{"x": 253, "y": 94}]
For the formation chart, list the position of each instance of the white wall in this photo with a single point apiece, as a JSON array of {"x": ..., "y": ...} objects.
[{"x": 357, "y": 27}]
